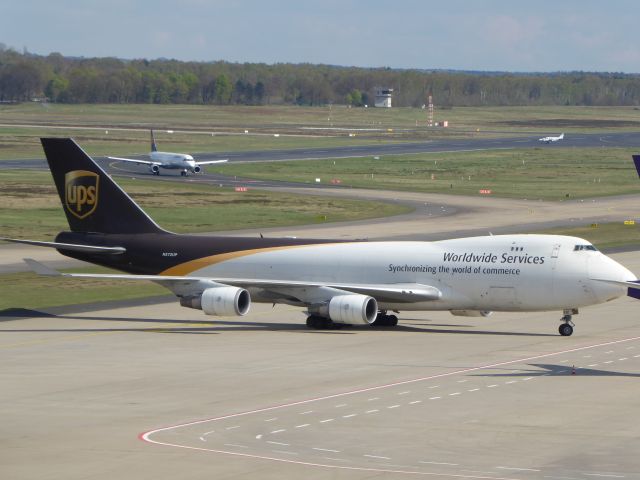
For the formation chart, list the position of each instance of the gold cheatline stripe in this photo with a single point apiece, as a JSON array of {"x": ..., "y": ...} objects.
[{"x": 193, "y": 265}]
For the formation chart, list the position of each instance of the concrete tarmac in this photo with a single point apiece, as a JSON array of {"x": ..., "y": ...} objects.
[{"x": 159, "y": 391}]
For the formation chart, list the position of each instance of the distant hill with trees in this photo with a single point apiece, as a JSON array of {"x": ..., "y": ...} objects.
[{"x": 25, "y": 76}]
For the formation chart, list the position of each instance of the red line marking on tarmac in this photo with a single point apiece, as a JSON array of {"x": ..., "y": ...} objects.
[{"x": 146, "y": 436}]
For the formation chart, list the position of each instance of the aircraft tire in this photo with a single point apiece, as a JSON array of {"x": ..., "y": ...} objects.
[
  {"x": 320, "y": 323},
  {"x": 565, "y": 330}
]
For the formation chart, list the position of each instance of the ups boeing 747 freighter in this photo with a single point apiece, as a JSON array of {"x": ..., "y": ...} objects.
[{"x": 338, "y": 282}]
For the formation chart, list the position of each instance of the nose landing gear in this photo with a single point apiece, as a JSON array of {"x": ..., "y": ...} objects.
[{"x": 566, "y": 328}]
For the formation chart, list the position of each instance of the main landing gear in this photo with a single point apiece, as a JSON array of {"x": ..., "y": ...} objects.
[
  {"x": 183, "y": 173},
  {"x": 317, "y": 322},
  {"x": 384, "y": 320},
  {"x": 321, "y": 323},
  {"x": 566, "y": 328}
]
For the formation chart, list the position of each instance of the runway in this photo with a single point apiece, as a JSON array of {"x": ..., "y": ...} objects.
[
  {"x": 158, "y": 391},
  {"x": 581, "y": 140}
]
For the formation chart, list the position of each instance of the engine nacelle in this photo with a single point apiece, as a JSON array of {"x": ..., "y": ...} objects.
[
  {"x": 350, "y": 309},
  {"x": 220, "y": 301},
  {"x": 470, "y": 313},
  {"x": 197, "y": 169},
  {"x": 154, "y": 169}
]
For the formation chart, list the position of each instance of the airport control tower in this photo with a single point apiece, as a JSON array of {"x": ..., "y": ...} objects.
[{"x": 383, "y": 97}]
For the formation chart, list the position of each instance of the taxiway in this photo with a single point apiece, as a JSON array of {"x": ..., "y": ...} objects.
[{"x": 156, "y": 391}]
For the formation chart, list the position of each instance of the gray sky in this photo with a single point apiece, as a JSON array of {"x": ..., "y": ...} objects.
[{"x": 514, "y": 35}]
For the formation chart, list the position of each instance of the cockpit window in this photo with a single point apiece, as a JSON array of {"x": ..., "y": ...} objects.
[{"x": 579, "y": 248}]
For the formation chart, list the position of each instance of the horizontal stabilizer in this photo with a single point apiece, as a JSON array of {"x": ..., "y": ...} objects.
[
  {"x": 74, "y": 247},
  {"x": 41, "y": 269}
]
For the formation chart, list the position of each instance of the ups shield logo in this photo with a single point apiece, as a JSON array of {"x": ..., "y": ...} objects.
[{"x": 81, "y": 192}]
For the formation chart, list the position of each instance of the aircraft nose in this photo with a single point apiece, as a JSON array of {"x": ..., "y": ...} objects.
[{"x": 605, "y": 268}]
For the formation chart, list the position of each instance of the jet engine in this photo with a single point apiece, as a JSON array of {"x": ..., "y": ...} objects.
[
  {"x": 197, "y": 169},
  {"x": 220, "y": 301},
  {"x": 155, "y": 169},
  {"x": 349, "y": 309},
  {"x": 470, "y": 313}
]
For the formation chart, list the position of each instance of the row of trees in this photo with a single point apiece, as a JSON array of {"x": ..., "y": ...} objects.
[{"x": 25, "y": 76}]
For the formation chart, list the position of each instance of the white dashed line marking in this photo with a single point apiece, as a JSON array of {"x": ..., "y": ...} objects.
[
  {"x": 232, "y": 428},
  {"x": 415, "y": 401},
  {"x": 393, "y": 406},
  {"x": 473, "y": 390},
  {"x": 440, "y": 463},
  {"x": 372, "y": 399},
  {"x": 622, "y": 359},
  {"x": 279, "y": 431},
  {"x": 435, "y": 386},
  {"x": 519, "y": 469},
  {"x": 593, "y": 365},
  {"x": 454, "y": 394},
  {"x": 302, "y": 426},
  {"x": 492, "y": 386},
  {"x": 271, "y": 419},
  {"x": 434, "y": 398},
  {"x": 608, "y": 475},
  {"x": 307, "y": 412},
  {"x": 404, "y": 393},
  {"x": 377, "y": 456},
  {"x": 608, "y": 361},
  {"x": 278, "y": 443},
  {"x": 510, "y": 382},
  {"x": 234, "y": 445},
  {"x": 285, "y": 452},
  {"x": 462, "y": 381},
  {"x": 636, "y": 356},
  {"x": 325, "y": 450},
  {"x": 350, "y": 415},
  {"x": 372, "y": 411},
  {"x": 528, "y": 378},
  {"x": 341, "y": 405},
  {"x": 327, "y": 420}
]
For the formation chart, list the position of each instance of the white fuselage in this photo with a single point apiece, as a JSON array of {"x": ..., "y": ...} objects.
[
  {"x": 173, "y": 161},
  {"x": 500, "y": 273}
]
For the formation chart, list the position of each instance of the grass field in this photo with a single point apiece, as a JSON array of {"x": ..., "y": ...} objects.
[
  {"x": 31, "y": 208},
  {"x": 538, "y": 173},
  {"x": 310, "y": 126}
]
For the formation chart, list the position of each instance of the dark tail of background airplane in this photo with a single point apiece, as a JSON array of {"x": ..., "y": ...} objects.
[
  {"x": 92, "y": 202},
  {"x": 154, "y": 147},
  {"x": 636, "y": 161}
]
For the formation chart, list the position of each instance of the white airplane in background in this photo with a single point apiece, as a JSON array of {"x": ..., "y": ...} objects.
[
  {"x": 552, "y": 139},
  {"x": 169, "y": 160},
  {"x": 338, "y": 281}
]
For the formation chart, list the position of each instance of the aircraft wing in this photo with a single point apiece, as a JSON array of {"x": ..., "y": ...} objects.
[
  {"x": 211, "y": 162},
  {"x": 132, "y": 160},
  {"x": 400, "y": 292}
]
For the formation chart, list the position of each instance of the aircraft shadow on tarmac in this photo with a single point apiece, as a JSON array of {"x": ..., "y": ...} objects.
[
  {"x": 549, "y": 369},
  {"x": 221, "y": 326}
]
